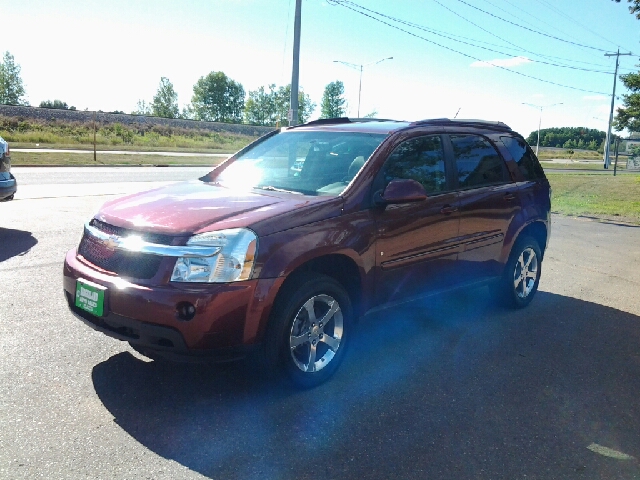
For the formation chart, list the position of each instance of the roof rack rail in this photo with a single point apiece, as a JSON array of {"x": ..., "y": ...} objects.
[
  {"x": 341, "y": 120},
  {"x": 324, "y": 121},
  {"x": 464, "y": 122}
]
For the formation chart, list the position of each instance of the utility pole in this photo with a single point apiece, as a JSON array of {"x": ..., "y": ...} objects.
[
  {"x": 607, "y": 143},
  {"x": 295, "y": 74}
]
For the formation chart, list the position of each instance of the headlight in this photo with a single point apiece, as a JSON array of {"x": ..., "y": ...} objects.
[{"x": 233, "y": 262}]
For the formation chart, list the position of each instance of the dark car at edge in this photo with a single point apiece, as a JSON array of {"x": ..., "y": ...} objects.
[{"x": 8, "y": 184}]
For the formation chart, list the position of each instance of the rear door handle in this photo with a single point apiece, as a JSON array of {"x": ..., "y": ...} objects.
[
  {"x": 448, "y": 210},
  {"x": 509, "y": 196}
]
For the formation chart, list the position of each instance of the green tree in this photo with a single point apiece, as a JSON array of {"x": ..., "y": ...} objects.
[
  {"x": 142, "y": 108},
  {"x": 57, "y": 104},
  {"x": 187, "y": 112},
  {"x": 260, "y": 108},
  {"x": 11, "y": 88},
  {"x": 270, "y": 108},
  {"x": 634, "y": 8},
  {"x": 283, "y": 103},
  {"x": 628, "y": 116},
  {"x": 333, "y": 102},
  {"x": 165, "y": 101},
  {"x": 217, "y": 98}
]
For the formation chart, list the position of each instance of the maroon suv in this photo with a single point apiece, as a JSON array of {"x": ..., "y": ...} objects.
[{"x": 282, "y": 247}]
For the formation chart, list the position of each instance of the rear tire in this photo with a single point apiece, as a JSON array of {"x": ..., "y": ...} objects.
[
  {"x": 521, "y": 275},
  {"x": 309, "y": 330}
]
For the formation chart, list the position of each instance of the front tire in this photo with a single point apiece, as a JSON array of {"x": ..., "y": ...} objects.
[
  {"x": 521, "y": 276},
  {"x": 309, "y": 330}
]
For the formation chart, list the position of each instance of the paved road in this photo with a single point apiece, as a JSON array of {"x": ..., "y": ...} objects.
[
  {"x": 450, "y": 388},
  {"x": 84, "y": 175}
]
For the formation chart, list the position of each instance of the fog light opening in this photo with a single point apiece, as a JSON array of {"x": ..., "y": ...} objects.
[{"x": 185, "y": 311}]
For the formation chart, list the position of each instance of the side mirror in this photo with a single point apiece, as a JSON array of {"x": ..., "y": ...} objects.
[{"x": 401, "y": 191}]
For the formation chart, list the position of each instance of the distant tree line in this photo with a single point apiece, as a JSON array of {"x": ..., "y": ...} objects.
[
  {"x": 569, "y": 137},
  {"x": 216, "y": 98},
  {"x": 57, "y": 104}
]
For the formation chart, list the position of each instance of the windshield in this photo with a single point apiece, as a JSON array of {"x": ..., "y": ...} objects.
[{"x": 309, "y": 163}]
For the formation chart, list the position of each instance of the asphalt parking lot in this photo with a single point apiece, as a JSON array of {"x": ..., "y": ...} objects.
[{"x": 451, "y": 387}]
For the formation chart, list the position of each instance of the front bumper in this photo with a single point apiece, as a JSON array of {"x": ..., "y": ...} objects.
[
  {"x": 229, "y": 321},
  {"x": 8, "y": 187}
]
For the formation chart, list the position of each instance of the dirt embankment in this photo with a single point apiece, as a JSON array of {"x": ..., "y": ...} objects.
[{"x": 50, "y": 114}]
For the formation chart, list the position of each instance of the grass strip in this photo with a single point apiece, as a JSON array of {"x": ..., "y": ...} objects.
[
  {"x": 544, "y": 154},
  {"x": 580, "y": 166},
  {"x": 596, "y": 195}
]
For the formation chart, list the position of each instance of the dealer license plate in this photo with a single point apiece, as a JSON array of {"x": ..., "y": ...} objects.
[{"x": 90, "y": 297}]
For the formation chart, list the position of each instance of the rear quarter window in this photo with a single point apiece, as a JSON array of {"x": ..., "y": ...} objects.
[
  {"x": 527, "y": 162},
  {"x": 477, "y": 162}
]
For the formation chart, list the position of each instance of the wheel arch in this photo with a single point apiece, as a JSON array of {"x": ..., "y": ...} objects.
[
  {"x": 539, "y": 232},
  {"x": 342, "y": 268}
]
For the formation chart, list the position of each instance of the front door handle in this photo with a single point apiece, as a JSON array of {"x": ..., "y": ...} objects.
[
  {"x": 448, "y": 210},
  {"x": 509, "y": 196}
]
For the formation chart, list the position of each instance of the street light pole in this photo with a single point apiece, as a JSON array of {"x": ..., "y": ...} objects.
[
  {"x": 540, "y": 119},
  {"x": 361, "y": 67},
  {"x": 360, "y": 90}
]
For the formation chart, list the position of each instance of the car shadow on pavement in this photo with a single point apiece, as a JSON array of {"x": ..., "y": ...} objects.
[
  {"x": 451, "y": 387},
  {"x": 15, "y": 242}
]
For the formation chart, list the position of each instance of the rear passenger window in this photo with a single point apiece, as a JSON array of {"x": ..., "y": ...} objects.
[
  {"x": 523, "y": 156},
  {"x": 420, "y": 159},
  {"x": 477, "y": 161}
]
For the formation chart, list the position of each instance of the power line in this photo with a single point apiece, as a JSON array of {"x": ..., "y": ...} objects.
[
  {"x": 434, "y": 32},
  {"x": 569, "y": 17},
  {"x": 354, "y": 7},
  {"x": 503, "y": 53},
  {"x": 531, "y": 29},
  {"x": 453, "y": 37},
  {"x": 530, "y": 15},
  {"x": 504, "y": 40}
]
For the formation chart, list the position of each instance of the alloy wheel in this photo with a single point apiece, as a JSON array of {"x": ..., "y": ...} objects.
[
  {"x": 316, "y": 333},
  {"x": 525, "y": 273}
]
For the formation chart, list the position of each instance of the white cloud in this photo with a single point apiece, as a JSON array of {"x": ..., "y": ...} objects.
[
  {"x": 596, "y": 98},
  {"x": 501, "y": 62}
]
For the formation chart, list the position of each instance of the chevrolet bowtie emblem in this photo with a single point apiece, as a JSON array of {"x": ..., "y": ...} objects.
[{"x": 112, "y": 242}]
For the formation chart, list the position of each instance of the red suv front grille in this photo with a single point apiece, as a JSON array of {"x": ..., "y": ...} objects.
[{"x": 119, "y": 262}]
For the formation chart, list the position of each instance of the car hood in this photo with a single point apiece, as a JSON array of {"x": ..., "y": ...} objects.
[{"x": 196, "y": 207}]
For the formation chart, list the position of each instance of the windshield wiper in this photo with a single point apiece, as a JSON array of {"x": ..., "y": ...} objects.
[{"x": 275, "y": 189}]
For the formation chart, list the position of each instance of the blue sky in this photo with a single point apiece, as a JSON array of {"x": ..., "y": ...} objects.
[{"x": 108, "y": 55}]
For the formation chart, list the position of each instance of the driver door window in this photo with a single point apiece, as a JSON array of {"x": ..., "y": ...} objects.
[{"x": 420, "y": 159}]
